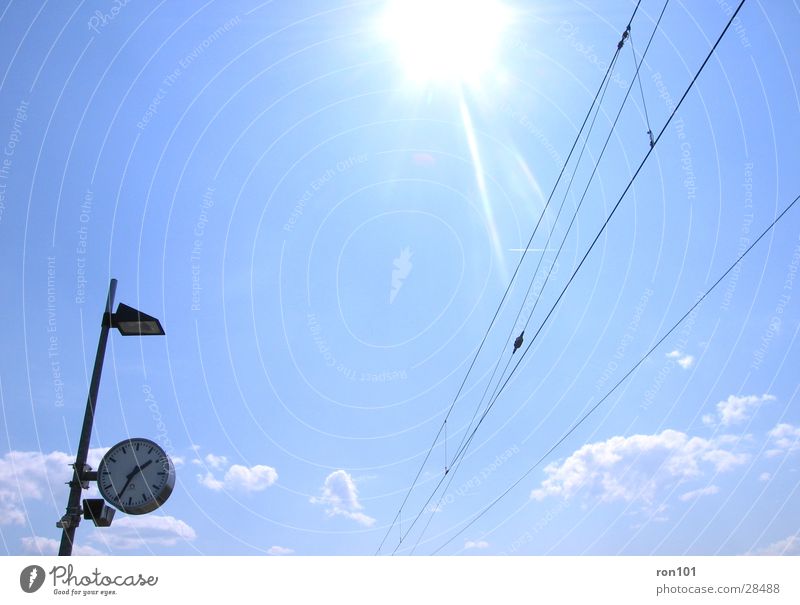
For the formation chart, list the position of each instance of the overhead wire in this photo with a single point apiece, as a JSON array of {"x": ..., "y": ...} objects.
[
  {"x": 461, "y": 449},
  {"x": 572, "y": 221},
  {"x": 505, "y": 295},
  {"x": 641, "y": 90},
  {"x": 605, "y": 224},
  {"x": 627, "y": 374}
]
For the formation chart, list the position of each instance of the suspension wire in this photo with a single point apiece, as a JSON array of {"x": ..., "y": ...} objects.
[
  {"x": 629, "y": 372},
  {"x": 583, "y": 259},
  {"x": 532, "y": 281},
  {"x": 641, "y": 90},
  {"x": 596, "y": 165},
  {"x": 507, "y": 290},
  {"x": 445, "y": 447},
  {"x": 462, "y": 447}
]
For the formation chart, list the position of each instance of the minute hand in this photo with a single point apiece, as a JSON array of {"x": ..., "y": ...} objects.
[{"x": 132, "y": 474}]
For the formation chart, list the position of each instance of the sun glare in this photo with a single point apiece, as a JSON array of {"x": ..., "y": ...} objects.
[{"x": 445, "y": 40}]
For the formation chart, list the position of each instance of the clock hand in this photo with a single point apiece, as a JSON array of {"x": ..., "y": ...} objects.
[
  {"x": 128, "y": 481},
  {"x": 132, "y": 474}
]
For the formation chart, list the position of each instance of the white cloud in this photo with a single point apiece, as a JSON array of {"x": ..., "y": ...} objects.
[
  {"x": 340, "y": 495},
  {"x": 477, "y": 544},
  {"x": 636, "y": 467},
  {"x": 131, "y": 532},
  {"x": 279, "y": 551},
  {"x": 208, "y": 480},
  {"x": 685, "y": 361},
  {"x": 33, "y": 476},
  {"x": 735, "y": 410},
  {"x": 785, "y": 439},
  {"x": 216, "y": 462},
  {"x": 787, "y": 546},
  {"x": 244, "y": 478},
  {"x": 250, "y": 479},
  {"x": 699, "y": 493},
  {"x": 764, "y": 477},
  {"x": 39, "y": 545}
]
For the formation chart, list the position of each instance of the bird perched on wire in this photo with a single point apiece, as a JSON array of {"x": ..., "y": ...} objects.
[{"x": 518, "y": 342}]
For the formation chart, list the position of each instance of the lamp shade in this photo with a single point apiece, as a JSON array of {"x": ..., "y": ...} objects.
[{"x": 131, "y": 322}]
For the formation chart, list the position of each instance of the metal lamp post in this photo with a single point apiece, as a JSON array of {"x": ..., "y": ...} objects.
[{"x": 129, "y": 322}]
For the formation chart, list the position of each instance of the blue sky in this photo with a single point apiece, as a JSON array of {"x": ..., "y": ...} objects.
[{"x": 325, "y": 237}]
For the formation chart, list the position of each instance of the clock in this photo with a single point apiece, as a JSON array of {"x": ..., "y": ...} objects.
[{"x": 136, "y": 476}]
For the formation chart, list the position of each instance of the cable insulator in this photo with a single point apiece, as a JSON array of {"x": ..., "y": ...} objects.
[{"x": 518, "y": 342}]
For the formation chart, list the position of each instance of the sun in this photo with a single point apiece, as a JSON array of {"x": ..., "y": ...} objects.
[{"x": 445, "y": 41}]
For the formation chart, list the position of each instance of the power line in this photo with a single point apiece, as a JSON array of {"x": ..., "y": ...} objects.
[
  {"x": 461, "y": 451},
  {"x": 508, "y": 288},
  {"x": 627, "y": 374},
  {"x": 462, "y": 446},
  {"x": 572, "y": 221},
  {"x": 619, "y": 201}
]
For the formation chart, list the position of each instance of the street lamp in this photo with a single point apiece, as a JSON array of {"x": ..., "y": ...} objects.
[{"x": 129, "y": 322}]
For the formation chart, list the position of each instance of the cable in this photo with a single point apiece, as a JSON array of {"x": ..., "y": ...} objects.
[
  {"x": 627, "y": 374},
  {"x": 604, "y": 87},
  {"x": 641, "y": 90},
  {"x": 508, "y": 288},
  {"x": 574, "y": 216},
  {"x": 619, "y": 201},
  {"x": 462, "y": 448}
]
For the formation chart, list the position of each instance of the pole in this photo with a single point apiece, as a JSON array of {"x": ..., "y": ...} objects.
[{"x": 70, "y": 521}]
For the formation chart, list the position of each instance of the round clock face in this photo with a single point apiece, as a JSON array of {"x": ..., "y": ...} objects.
[{"x": 136, "y": 476}]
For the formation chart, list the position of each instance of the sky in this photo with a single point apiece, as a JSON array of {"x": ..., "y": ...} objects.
[{"x": 324, "y": 202}]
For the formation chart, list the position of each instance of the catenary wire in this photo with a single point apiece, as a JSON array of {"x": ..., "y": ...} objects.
[
  {"x": 627, "y": 374},
  {"x": 503, "y": 298},
  {"x": 605, "y": 224}
]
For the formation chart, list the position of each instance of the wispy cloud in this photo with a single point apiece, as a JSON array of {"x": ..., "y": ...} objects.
[
  {"x": 39, "y": 545},
  {"x": 785, "y": 439},
  {"x": 788, "y": 546},
  {"x": 127, "y": 533},
  {"x": 476, "y": 544},
  {"x": 699, "y": 493},
  {"x": 684, "y": 361},
  {"x": 279, "y": 551},
  {"x": 736, "y": 409},
  {"x": 340, "y": 495}
]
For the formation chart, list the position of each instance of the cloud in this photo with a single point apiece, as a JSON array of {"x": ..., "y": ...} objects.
[
  {"x": 39, "y": 545},
  {"x": 279, "y": 551},
  {"x": 785, "y": 439},
  {"x": 685, "y": 361},
  {"x": 787, "y": 546},
  {"x": 215, "y": 461},
  {"x": 764, "y": 477},
  {"x": 634, "y": 468},
  {"x": 478, "y": 544},
  {"x": 131, "y": 532},
  {"x": 32, "y": 476},
  {"x": 735, "y": 409},
  {"x": 699, "y": 493},
  {"x": 208, "y": 480},
  {"x": 340, "y": 495},
  {"x": 243, "y": 478},
  {"x": 250, "y": 479}
]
